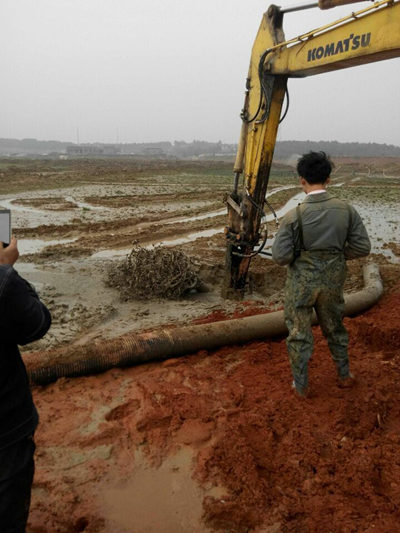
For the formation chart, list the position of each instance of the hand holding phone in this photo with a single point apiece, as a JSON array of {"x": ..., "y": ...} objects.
[{"x": 9, "y": 255}]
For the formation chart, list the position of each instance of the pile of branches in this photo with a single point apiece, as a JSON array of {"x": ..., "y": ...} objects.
[{"x": 156, "y": 273}]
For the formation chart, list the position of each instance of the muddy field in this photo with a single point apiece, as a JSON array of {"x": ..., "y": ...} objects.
[{"x": 209, "y": 442}]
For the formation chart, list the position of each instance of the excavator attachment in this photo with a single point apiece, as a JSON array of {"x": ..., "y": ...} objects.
[{"x": 260, "y": 118}]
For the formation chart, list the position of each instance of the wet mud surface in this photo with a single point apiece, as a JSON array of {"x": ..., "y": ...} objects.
[
  {"x": 223, "y": 441},
  {"x": 213, "y": 441}
]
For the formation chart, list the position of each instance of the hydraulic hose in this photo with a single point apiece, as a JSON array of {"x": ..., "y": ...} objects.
[{"x": 133, "y": 349}]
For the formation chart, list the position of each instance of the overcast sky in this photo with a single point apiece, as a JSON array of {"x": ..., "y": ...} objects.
[{"x": 150, "y": 70}]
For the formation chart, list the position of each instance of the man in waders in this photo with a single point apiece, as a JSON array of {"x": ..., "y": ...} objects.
[{"x": 314, "y": 241}]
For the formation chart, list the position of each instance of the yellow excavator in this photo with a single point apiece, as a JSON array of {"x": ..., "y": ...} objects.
[{"x": 368, "y": 35}]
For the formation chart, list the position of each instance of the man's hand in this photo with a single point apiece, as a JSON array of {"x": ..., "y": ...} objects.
[{"x": 9, "y": 255}]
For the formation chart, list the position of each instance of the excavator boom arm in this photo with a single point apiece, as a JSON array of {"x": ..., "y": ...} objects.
[{"x": 373, "y": 34}]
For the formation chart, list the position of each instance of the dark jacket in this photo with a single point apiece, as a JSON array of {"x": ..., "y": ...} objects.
[
  {"x": 329, "y": 225},
  {"x": 23, "y": 319}
]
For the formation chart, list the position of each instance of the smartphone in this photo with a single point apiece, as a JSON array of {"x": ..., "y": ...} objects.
[{"x": 5, "y": 226}]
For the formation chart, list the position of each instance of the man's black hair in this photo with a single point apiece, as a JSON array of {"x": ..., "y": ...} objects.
[{"x": 314, "y": 167}]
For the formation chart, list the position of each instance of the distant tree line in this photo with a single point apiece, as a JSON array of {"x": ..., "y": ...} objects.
[
  {"x": 285, "y": 149},
  {"x": 182, "y": 149}
]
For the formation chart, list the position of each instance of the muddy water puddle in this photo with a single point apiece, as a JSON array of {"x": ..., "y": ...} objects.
[
  {"x": 30, "y": 216},
  {"x": 116, "y": 254},
  {"x": 211, "y": 214},
  {"x": 382, "y": 224},
  {"x": 32, "y": 246},
  {"x": 165, "y": 499},
  {"x": 219, "y": 212},
  {"x": 84, "y": 205}
]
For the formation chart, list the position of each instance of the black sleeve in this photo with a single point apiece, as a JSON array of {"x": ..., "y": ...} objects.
[{"x": 25, "y": 318}]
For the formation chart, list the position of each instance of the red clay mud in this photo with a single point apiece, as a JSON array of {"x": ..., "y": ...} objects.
[
  {"x": 262, "y": 459},
  {"x": 244, "y": 309},
  {"x": 328, "y": 463}
]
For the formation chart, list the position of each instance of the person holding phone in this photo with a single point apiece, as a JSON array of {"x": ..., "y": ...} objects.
[{"x": 23, "y": 319}]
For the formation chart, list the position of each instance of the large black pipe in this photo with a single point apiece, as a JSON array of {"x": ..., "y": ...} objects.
[{"x": 139, "y": 348}]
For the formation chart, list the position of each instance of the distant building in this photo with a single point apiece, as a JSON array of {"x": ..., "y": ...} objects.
[
  {"x": 92, "y": 149},
  {"x": 153, "y": 151},
  {"x": 292, "y": 160}
]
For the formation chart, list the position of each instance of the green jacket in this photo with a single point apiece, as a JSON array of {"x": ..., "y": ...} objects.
[{"x": 329, "y": 225}]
